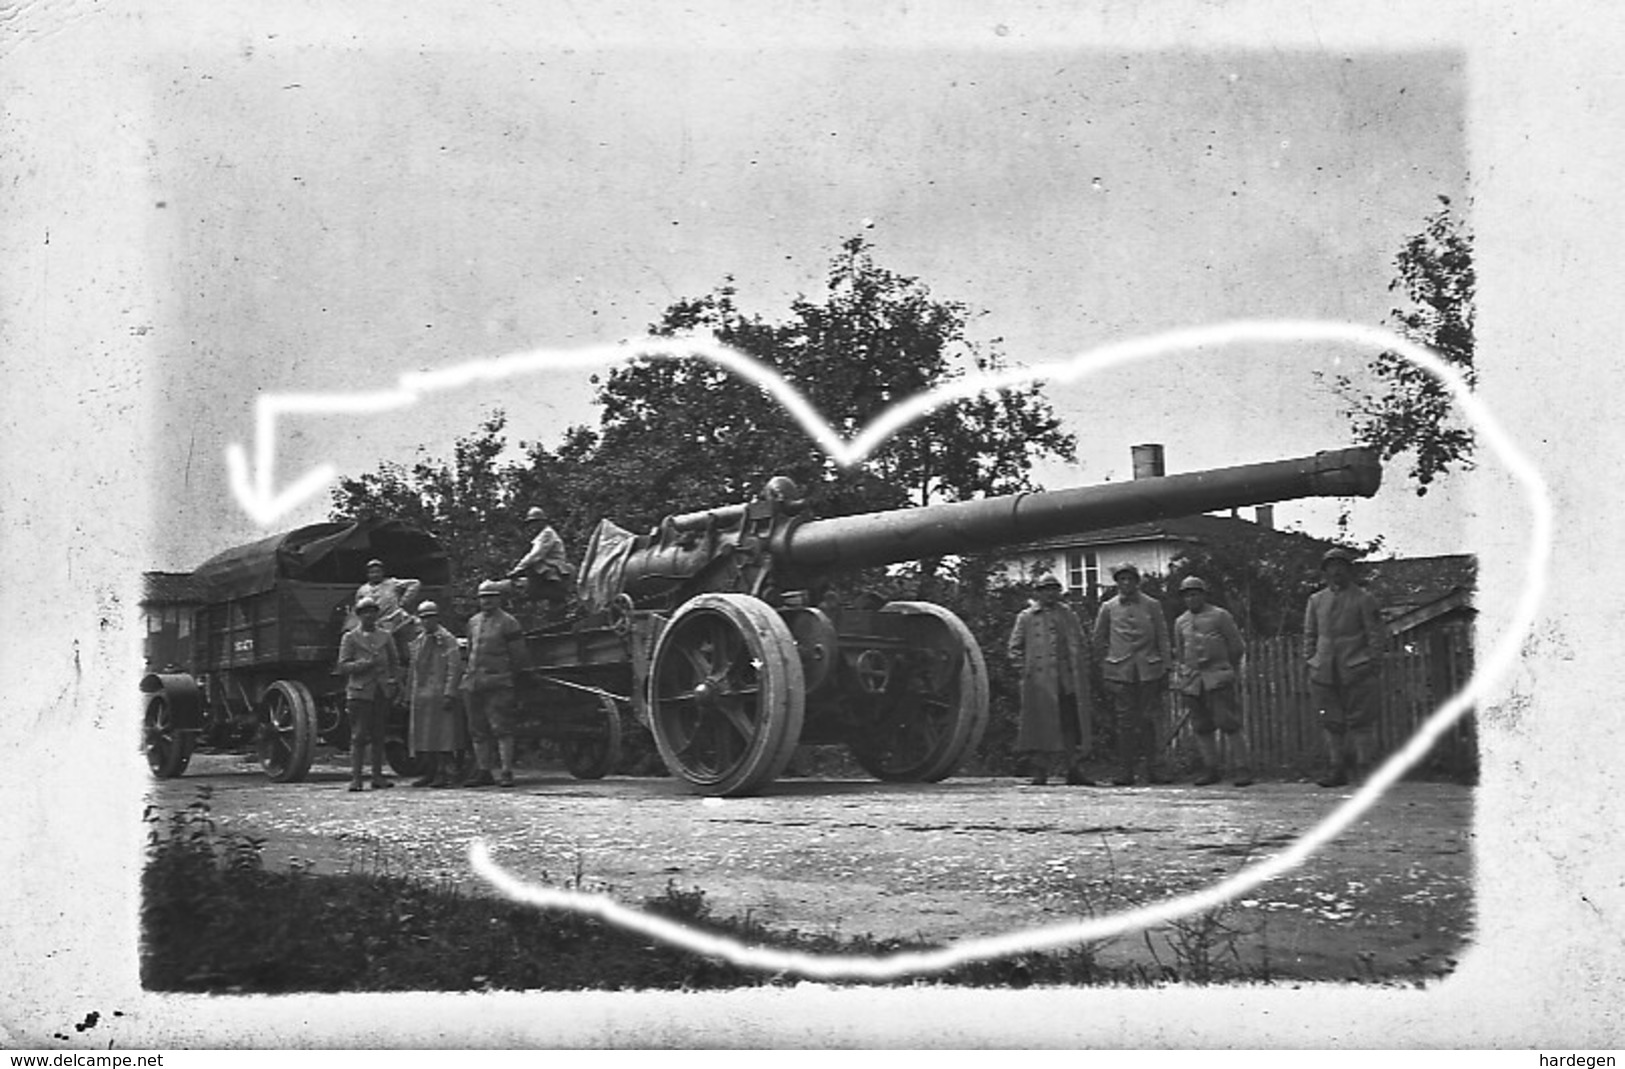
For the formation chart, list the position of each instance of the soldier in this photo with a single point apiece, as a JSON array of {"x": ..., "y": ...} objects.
[
  {"x": 1050, "y": 648},
  {"x": 394, "y": 598},
  {"x": 436, "y": 669},
  {"x": 1343, "y": 637},
  {"x": 1131, "y": 634},
  {"x": 545, "y": 568},
  {"x": 496, "y": 649},
  {"x": 1207, "y": 653},
  {"x": 371, "y": 667}
]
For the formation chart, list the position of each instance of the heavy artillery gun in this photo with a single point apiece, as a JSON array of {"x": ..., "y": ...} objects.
[{"x": 716, "y": 625}]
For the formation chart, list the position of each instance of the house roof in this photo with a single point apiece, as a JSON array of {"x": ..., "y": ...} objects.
[
  {"x": 1413, "y": 590},
  {"x": 170, "y": 588}
]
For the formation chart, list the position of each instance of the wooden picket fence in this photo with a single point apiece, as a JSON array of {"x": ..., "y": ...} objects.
[{"x": 1280, "y": 719}]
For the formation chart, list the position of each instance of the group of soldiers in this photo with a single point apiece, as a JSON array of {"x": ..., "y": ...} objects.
[
  {"x": 457, "y": 701},
  {"x": 1140, "y": 659},
  {"x": 466, "y": 700}
]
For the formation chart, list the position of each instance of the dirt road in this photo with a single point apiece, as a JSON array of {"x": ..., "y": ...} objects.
[{"x": 1390, "y": 899}]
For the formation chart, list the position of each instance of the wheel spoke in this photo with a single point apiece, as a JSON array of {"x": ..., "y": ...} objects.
[{"x": 741, "y": 723}]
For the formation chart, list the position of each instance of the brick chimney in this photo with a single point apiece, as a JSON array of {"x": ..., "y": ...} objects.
[
  {"x": 1266, "y": 516},
  {"x": 1147, "y": 460}
]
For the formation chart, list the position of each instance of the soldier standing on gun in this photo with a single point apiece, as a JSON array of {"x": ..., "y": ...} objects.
[
  {"x": 1132, "y": 634},
  {"x": 496, "y": 649},
  {"x": 392, "y": 597},
  {"x": 1343, "y": 636},
  {"x": 437, "y": 722},
  {"x": 372, "y": 668},
  {"x": 1207, "y": 651},
  {"x": 1049, "y": 646}
]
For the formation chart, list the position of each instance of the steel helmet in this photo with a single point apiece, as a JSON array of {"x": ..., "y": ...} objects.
[
  {"x": 366, "y": 605},
  {"x": 1193, "y": 582},
  {"x": 1125, "y": 569},
  {"x": 428, "y": 608},
  {"x": 1336, "y": 553},
  {"x": 490, "y": 586}
]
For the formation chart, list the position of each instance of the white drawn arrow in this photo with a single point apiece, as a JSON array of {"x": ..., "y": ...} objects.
[
  {"x": 255, "y": 487},
  {"x": 257, "y": 498}
]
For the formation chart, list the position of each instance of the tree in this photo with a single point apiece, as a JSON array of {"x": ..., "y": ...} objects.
[
  {"x": 467, "y": 502},
  {"x": 1414, "y": 413},
  {"x": 680, "y": 434}
]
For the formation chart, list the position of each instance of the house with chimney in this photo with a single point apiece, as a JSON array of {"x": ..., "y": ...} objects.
[{"x": 1084, "y": 562}]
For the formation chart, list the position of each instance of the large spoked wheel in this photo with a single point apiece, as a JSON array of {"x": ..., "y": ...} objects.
[
  {"x": 595, "y": 756},
  {"x": 936, "y": 714},
  {"x": 168, "y": 748},
  {"x": 287, "y": 732},
  {"x": 726, "y": 694}
]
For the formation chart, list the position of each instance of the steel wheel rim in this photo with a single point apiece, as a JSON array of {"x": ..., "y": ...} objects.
[
  {"x": 276, "y": 747},
  {"x": 709, "y": 698},
  {"x": 916, "y": 729},
  {"x": 160, "y": 737}
]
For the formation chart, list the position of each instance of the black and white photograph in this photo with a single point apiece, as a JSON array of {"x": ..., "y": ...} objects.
[{"x": 826, "y": 525}]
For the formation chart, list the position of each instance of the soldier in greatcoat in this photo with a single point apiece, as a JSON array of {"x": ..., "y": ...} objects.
[
  {"x": 1048, "y": 644},
  {"x": 436, "y": 669}
]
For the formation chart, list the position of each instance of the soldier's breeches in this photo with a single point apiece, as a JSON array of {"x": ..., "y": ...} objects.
[{"x": 1134, "y": 707}]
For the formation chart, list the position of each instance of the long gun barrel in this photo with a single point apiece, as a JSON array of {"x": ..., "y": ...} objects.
[{"x": 969, "y": 526}]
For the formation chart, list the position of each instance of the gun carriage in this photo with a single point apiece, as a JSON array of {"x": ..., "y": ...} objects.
[{"x": 717, "y": 629}]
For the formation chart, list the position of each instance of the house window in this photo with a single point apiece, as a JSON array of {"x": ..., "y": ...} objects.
[
  {"x": 1091, "y": 574},
  {"x": 1074, "y": 571}
]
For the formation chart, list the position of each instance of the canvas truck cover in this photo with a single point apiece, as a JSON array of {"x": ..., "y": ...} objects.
[{"x": 327, "y": 553}]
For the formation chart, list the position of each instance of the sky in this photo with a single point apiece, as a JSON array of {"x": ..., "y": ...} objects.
[{"x": 327, "y": 218}]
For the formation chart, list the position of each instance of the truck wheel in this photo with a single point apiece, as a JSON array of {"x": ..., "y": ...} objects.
[
  {"x": 595, "y": 756},
  {"x": 168, "y": 748},
  {"x": 726, "y": 694},
  {"x": 287, "y": 735},
  {"x": 170, "y": 724},
  {"x": 939, "y": 713}
]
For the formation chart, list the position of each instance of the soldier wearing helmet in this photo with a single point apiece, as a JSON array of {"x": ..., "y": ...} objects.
[
  {"x": 1131, "y": 634},
  {"x": 1343, "y": 638},
  {"x": 1050, "y": 648},
  {"x": 1207, "y": 654},
  {"x": 435, "y": 668},
  {"x": 545, "y": 569},
  {"x": 496, "y": 651},
  {"x": 372, "y": 669},
  {"x": 395, "y": 597}
]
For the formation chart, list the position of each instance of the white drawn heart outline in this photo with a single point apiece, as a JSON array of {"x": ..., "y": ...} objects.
[{"x": 1054, "y": 936}]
